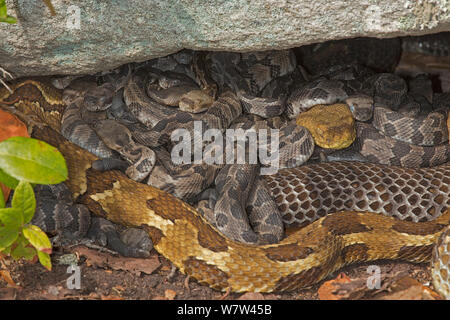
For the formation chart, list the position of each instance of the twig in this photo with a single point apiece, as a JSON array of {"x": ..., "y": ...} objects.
[
  {"x": 226, "y": 294},
  {"x": 5, "y": 85},
  {"x": 5, "y": 75},
  {"x": 90, "y": 245},
  {"x": 186, "y": 284},
  {"x": 172, "y": 273}
]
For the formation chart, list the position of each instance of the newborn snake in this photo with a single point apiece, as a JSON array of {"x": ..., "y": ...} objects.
[{"x": 184, "y": 237}]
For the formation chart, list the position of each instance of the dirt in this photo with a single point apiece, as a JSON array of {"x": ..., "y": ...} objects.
[{"x": 105, "y": 281}]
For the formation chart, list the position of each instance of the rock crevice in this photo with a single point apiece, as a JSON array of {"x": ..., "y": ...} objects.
[{"x": 88, "y": 36}]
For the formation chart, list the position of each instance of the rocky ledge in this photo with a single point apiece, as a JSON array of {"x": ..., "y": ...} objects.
[{"x": 88, "y": 36}]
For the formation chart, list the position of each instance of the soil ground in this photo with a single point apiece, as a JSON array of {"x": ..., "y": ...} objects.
[{"x": 106, "y": 281}]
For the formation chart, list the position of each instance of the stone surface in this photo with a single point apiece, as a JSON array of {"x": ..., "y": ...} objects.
[{"x": 87, "y": 36}]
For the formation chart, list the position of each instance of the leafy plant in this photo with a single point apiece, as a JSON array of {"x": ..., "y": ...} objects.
[
  {"x": 4, "y": 17},
  {"x": 23, "y": 162}
]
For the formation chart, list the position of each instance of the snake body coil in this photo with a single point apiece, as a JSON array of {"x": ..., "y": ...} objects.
[{"x": 183, "y": 236}]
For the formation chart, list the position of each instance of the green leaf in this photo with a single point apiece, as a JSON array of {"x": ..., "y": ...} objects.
[
  {"x": 37, "y": 238},
  {"x": 7, "y": 250},
  {"x": 23, "y": 252},
  {"x": 8, "y": 181},
  {"x": 23, "y": 249},
  {"x": 11, "y": 218},
  {"x": 7, "y": 237},
  {"x": 44, "y": 259},
  {"x": 32, "y": 160},
  {"x": 3, "y": 12},
  {"x": 2, "y": 199},
  {"x": 24, "y": 200},
  {"x": 8, "y": 19}
]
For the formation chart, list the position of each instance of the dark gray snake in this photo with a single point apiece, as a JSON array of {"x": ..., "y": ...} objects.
[
  {"x": 260, "y": 84},
  {"x": 399, "y": 134},
  {"x": 71, "y": 223}
]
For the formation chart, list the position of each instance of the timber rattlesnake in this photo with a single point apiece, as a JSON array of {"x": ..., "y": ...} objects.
[{"x": 195, "y": 247}]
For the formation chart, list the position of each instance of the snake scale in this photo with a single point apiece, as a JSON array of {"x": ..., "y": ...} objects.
[
  {"x": 184, "y": 237},
  {"x": 181, "y": 234}
]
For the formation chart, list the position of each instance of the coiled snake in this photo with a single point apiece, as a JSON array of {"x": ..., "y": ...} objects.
[{"x": 183, "y": 236}]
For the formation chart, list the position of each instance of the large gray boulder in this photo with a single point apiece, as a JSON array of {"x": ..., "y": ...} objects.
[{"x": 87, "y": 36}]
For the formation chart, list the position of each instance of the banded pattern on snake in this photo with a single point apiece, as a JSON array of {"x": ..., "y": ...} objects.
[
  {"x": 299, "y": 260},
  {"x": 183, "y": 236}
]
